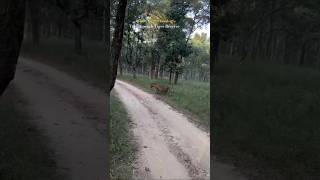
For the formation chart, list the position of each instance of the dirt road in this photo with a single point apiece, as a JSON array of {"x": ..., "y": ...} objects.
[
  {"x": 72, "y": 114},
  {"x": 171, "y": 147}
]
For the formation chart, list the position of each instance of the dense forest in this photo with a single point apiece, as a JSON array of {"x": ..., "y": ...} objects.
[
  {"x": 76, "y": 20},
  {"x": 159, "y": 40},
  {"x": 266, "y": 87},
  {"x": 42, "y": 21},
  {"x": 283, "y": 32},
  {"x": 171, "y": 53}
]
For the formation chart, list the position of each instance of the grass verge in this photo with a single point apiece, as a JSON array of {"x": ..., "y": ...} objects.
[
  {"x": 267, "y": 119},
  {"x": 122, "y": 146},
  {"x": 188, "y": 96},
  {"x": 23, "y": 153}
]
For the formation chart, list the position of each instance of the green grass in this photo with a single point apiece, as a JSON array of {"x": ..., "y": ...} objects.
[
  {"x": 191, "y": 96},
  {"x": 122, "y": 146},
  {"x": 266, "y": 118},
  {"x": 23, "y": 153},
  {"x": 91, "y": 67}
]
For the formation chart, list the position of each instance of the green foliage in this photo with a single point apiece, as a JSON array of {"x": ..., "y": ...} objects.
[
  {"x": 201, "y": 41},
  {"x": 199, "y": 59},
  {"x": 123, "y": 147},
  {"x": 133, "y": 39},
  {"x": 165, "y": 47}
]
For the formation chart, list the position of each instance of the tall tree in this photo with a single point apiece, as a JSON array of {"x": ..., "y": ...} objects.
[
  {"x": 272, "y": 31},
  {"x": 12, "y": 15},
  {"x": 76, "y": 11},
  {"x": 34, "y": 11},
  {"x": 158, "y": 33},
  {"x": 178, "y": 48},
  {"x": 116, "y": 44}
]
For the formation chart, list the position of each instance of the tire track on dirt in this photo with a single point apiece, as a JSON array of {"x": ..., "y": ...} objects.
[
  {"x": 64, "y": 107},
  {"x": 191, "y": 153},
  {"x": 183, "y": 158}
]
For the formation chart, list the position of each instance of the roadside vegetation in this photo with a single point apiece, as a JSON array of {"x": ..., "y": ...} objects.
[
  {"x": 23, "y": 150},
  {"x": 190, "y": 96},
  {"x": 123, "y": 147},
  {"x": 266, "y": 119}
]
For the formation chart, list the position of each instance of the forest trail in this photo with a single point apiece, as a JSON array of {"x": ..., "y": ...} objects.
[
  {"x": 72, "y": 114},
  {"x": 170, "y": 146}
]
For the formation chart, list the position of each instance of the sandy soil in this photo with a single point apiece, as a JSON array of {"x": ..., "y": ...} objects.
[
  {"x": 171, "y": 147},
  {"x": 73, "y": 116}
]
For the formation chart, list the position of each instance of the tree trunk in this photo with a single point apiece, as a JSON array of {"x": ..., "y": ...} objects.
[
  {"x": 161, "y": 73},
  {"x": 176, "y": 77},
  {"x": 155, "y": 72},
  {"x": 170, "y": 77},
  {"x": 106, "y": 43},
  {"x": 77, "y": 37},
  {"x": 134, "y": 72},
  {"x": 216, "y": 7},
  {"x": 231, "y": 48},
  {"x": 216, "y": 43},
  {"x": 104, "y": 25},
  {"x": 49, "y": 30},
  {"x": 60, "y": 25},
  {"x": 270, "y": 39},
  {"x": 142, "y": 68},
  {"x": 121, "y": 65},
  {"x": 256, "y": 45},
  {"x": 116, "y": 44},
  {"x": 12, "y": 13},
  {"x": 150, "y": 72},
  {"x": 302, "y": 54},
  {"x": 318, "y": 55},
  {"x": 191, "y": 74},
  {"x": 159, "y": 69},
  {"x": 35, "y": 22}
]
